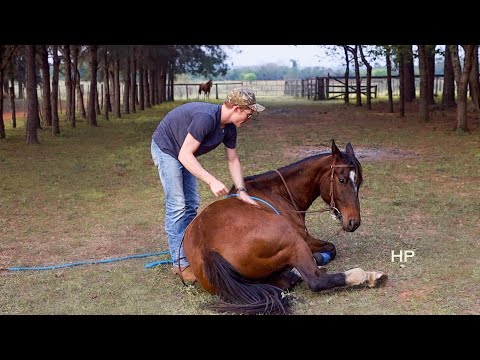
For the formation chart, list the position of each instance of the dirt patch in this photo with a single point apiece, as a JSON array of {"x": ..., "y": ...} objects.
[
  {"x": 295, "y": 112},
  {"x": 7, "y": 116}
]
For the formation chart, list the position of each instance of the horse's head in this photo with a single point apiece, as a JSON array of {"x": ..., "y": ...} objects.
[{"x": 345, "y": 180}]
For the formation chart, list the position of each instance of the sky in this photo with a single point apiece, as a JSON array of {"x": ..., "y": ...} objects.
[{"x": 304, "y": 55}]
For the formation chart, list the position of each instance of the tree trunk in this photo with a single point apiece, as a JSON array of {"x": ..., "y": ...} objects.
[
  {"x": 346, "y": 98},
  {"x": 474, "y": 82},
  {"x": 369, "y": 79},
  {"x": 163, "y": 83},
  {"x": 152, "y": 83},
  {"x": 448, "y": 92},
  {"x": 424, "y": 88},
  {"x": 76, "y": 50},
  {"x": 106, "y": 98},
  {"x": 133, "y": 85},
  {"x": 409, "y": 73},
  {"x": 97, "y": 102},
  {"x": 54, "y": 97},
  {"x": 401, "y": 78},
  {"x": 141, "y": 89},
  {"x": 461, "y": 78},
  {"x": 68, "y": 86},
  {"x": 81, "y": 104},
  {"x": 146, "y": 85},
  {"x": 12, "y": 102},
  {"x": 358, "y": 80},
  {"x": 112, "y": 86},
  {"x": 20, "y": 75},
  {"x": 47, "y": 109},
  {"x": 389, "y": 79},
  {"x": 126, "y": 89},
  {"x": 2, "y": 124},
  {"x": 32, "y": 99},
  {"x": 116, "y": 80},
  {"x": 430, "y": 57},
  {"x": 92, "y": 114},
  {"x": 170, "y": 86}
]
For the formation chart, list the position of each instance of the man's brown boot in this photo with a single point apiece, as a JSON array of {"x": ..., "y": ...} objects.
[{"x": 185, "y": 273}]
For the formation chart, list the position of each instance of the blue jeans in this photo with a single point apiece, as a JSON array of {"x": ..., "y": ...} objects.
[{"x": 181, "y": 200}]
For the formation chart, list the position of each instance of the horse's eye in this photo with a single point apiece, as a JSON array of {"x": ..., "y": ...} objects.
[{"x": 342, "y": 180}]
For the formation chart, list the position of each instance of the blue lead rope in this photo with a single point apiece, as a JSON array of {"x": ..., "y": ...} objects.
[
  {"x": 262, "y": 201},
  {"x": 93, "y": 262}
]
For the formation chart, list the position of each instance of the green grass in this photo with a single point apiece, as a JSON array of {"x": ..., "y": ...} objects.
[{"x": 93, "y": 193}]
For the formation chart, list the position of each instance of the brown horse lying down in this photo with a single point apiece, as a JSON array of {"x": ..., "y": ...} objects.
[{"x": 249, "y": 256}]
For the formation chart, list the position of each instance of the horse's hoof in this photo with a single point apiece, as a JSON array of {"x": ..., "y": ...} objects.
[
  {"x": 296, "y": 272},
  {"x": 376, "y": 279}
]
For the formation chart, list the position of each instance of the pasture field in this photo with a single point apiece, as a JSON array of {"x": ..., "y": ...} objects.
[{"x": 93, "y": 193}]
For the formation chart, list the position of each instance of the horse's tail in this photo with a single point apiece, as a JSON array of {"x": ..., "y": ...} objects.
[{"x": 239, "y": 294}]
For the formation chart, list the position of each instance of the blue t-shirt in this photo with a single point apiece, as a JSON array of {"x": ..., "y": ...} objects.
[{"x": 202, "y": 121}]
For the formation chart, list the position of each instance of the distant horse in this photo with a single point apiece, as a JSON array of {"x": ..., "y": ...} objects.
[
  {"x": 205, "y": 87},
  {"x": 249, "y": 256}
]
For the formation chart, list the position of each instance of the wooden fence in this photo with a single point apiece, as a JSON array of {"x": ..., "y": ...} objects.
[
  {"x": 220, "y": 89},
  {"x": 327, "y": 88}
]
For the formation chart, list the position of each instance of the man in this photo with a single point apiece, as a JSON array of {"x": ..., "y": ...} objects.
[{"x": 186, "y": 132}]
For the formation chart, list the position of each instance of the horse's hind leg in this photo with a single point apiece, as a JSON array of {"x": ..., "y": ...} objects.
[
  {"x": 284, "y": 280},
  {"x": 353, "y": 277},
  {"x": 318, "y": 279}
]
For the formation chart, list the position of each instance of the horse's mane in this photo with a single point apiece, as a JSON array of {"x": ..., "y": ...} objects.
[{"x": 271, "y": 174}]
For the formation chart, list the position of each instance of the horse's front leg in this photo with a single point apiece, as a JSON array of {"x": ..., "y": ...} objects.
[{"x": 323, "y": 251}]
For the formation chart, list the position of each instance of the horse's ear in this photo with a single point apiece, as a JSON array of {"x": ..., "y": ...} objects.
[
  {"x": 335, "y": 150},
  {"x": 349, "y": 149}
]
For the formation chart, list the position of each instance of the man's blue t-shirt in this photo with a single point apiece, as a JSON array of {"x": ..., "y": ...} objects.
[{"x": 202, "y": 121}]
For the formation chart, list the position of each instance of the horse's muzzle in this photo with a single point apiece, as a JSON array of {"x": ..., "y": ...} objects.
[{"x": 351, "y": 224}]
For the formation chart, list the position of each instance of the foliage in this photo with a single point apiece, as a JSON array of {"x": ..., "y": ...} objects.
[
  {"x": 205, "y": 60},
  {"x": 273, "y": 71},
  {"x": 248, "y": 76}
]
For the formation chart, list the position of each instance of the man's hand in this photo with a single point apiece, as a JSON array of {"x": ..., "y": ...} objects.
[
  {"x": 242, "y": 195},
  {"x": 218, "y": 188}
]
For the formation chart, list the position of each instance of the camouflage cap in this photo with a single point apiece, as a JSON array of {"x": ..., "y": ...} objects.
[{"x": 244, "y": 97}]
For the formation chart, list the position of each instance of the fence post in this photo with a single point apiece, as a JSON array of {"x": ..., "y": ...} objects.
[
  {"x": 216, "y": 91},
  {"x": 321, "y": 88}
]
